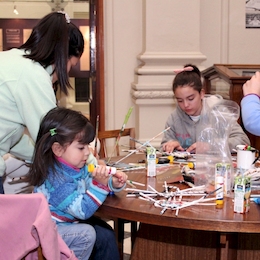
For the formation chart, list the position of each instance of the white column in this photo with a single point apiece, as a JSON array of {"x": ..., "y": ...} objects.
[{"x": 171, "y": 38}]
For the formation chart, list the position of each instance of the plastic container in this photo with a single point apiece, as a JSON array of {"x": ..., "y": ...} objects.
[
  {"x": 151, "y": 161},
  {"x": 212, "y": 149},
  {"x": 242, "y": 191},
  {"x": 220, "y": 191}
]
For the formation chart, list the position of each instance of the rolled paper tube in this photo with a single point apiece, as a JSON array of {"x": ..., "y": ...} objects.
[{"x": 111, "y": 170}]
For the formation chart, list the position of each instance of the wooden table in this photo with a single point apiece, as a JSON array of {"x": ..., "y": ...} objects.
[{"x": 198, "y": 232}]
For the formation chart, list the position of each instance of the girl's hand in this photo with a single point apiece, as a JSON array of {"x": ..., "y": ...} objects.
[
  {"x": 192, "y": 148},
  {"x": 119, "y": 179},
  {"x": 170, "y": 146},
  {"x": 101, "y": 174}
]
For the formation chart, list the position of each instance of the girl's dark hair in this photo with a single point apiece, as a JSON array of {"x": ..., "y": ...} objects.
[
  {"x": 191, "y": 78},
  {"x": 60, "y": 125},
  {"x": 52, "y": 42}
]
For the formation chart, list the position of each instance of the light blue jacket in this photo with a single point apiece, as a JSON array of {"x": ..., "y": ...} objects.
[{"x": 250, "y": 109}]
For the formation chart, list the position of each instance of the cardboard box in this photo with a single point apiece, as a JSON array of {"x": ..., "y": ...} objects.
[
  {"x": 151, "y": 161},
  {"x": 242, "y": 191},
  {"x": 225, "y": 170}
]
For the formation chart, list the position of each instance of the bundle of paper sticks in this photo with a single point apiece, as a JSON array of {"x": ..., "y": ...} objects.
[{"x": 172, "y": 197}]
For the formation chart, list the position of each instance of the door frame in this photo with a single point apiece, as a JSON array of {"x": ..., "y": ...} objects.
[{"x": 97, "y": 104}]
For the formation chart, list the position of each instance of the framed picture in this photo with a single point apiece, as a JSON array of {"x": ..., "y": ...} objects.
[{"x": 252, "y": 14}]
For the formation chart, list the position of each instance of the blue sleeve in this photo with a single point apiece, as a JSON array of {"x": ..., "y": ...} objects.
[
  {"x": 110, "y": 185},
  {"x": 79, "y": 202},
  {"x": 256, "y": 200},
  {"x": 250, "y": 110}
]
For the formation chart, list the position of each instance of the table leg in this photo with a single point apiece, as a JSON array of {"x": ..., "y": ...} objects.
[
  {"x": 226, "y": 253},
  {"x": 133, "y": 233},
  {"x": 119, "y": 231}
]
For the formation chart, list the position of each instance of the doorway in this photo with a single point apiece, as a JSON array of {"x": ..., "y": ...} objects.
[{"x": 97, "y": 102}]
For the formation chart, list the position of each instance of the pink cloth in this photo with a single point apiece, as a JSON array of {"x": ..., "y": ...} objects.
[{"x": 25, "y": 223}]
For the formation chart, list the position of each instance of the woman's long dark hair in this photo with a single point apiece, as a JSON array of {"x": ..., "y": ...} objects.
[
  {"x": 60, "y": 125},
  {"x": 52, "y": 41}
]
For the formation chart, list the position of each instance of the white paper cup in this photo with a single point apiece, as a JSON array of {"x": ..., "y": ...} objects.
[{"x": 245, "y": 158}]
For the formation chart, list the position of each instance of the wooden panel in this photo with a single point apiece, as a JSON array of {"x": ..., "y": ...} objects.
[
  {"x": 97, "y": 104},
  {"x": 155, "y": 242}
]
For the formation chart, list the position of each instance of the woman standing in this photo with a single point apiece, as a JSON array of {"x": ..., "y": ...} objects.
[{"x": 27, "y": 75}]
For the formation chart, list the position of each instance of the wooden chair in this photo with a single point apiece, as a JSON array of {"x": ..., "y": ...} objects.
[
  {"x": 39, "y": 254},
  {"x": 103, "y": 137},
  {"x": 113, "y": 134}
]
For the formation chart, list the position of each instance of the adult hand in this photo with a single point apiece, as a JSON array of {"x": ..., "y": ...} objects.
[
  {"x": 252, "y": 86},
  {"x": 170, "y": 146}
]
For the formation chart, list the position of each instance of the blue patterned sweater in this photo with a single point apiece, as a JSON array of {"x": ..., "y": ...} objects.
[{"x": 73, "y": 194}]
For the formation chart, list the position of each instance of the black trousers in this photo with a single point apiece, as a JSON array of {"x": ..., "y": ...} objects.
[{"x": 1, "y": 186}]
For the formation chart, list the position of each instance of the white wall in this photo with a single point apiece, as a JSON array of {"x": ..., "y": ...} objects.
[
  {"x": 224, "y": 38},
  {"x": 123, "y": 42},
  {"x": 145, "y": 40},
  {"x": 243, "y": 43}
]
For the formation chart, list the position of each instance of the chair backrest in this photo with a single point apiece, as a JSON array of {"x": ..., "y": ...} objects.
[
  {"x": 37, "y": 237},
  {"x": 113, "y": 134},
  {"x": 14, "y": 178}
]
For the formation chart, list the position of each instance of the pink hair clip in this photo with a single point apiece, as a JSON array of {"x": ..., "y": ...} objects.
[{"x": 189, "y": 68}]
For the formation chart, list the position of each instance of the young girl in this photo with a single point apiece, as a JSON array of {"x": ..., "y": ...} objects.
[
  {"x": 27, "y": 75},
  {"x": 188, "y": 92},
  {"x": 59, "y": 171}
]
